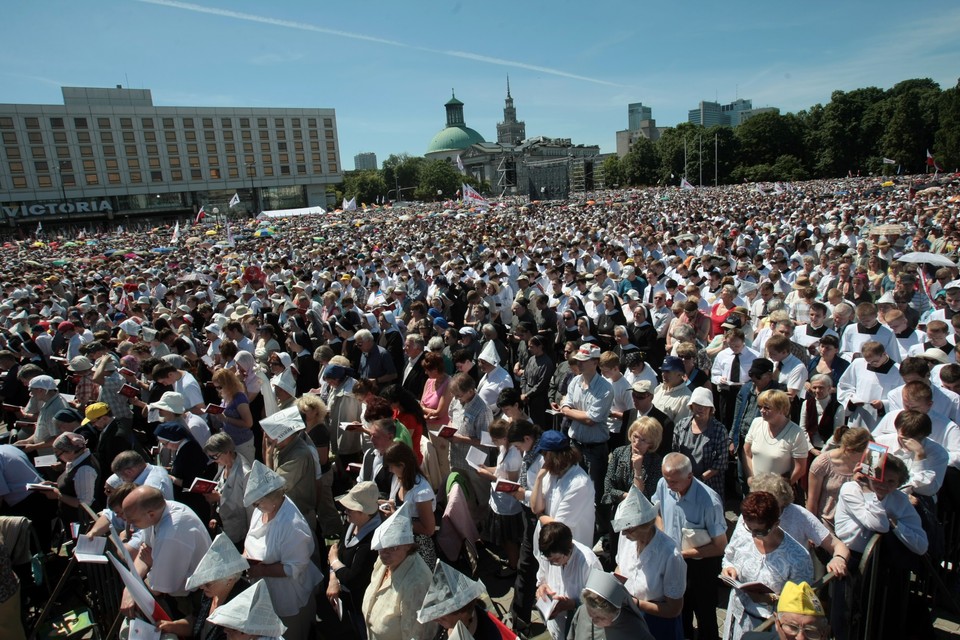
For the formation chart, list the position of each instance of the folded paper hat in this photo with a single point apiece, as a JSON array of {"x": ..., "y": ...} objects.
[
  {"x": 449, "y": 591},
  {"x": 800, "y": 599},
  {"x": 221, "y": 561},
  {"x": 262, "y": 481},
  {"x": 283, "y": 424},
  {"x": 489, "y": 353},
  {"x": 395, "y": 530},
  {"x": 634, "y": 511},
  {"x": 286, "y": 382},
  {"x": 250, "y": 612}
]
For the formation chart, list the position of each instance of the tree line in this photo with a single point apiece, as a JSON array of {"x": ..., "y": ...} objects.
[{"x": 852, "y": 133}]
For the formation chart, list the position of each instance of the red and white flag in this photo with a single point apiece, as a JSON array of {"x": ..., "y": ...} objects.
[
  {"x": 176, "y": 234},
  {"x": 931, "y": 162},
  {"x": 460, "y": 165},
  {"x": 200, "y": 216},
  {"x": 139, "y": 592},
  {"x": 470, "y": 195},
  {"x": 686, "y": 186}
]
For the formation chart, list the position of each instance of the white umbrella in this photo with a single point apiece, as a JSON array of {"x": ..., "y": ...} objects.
[{"x": 925, "y": 257}]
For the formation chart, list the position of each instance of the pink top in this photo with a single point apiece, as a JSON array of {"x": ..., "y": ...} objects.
[
  {"x": 431, "y": 399},
  {"x": 831, "y": 479}
]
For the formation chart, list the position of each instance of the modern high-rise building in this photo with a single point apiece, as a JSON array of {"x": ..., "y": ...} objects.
[
  {"x": 510, "y": 131},
  {"x": 734, "y": 114},
  {"x": 111, "y": 154},
  {"x": 365, "y": 161},
  {"x": 637, "y": 113},
  {"x": 640, "y": 124}
]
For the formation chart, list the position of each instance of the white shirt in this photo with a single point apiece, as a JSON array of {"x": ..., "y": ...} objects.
[
  {"x": 723, "y": 365},
  {"x": 157, "y": 477},
  {"x": 860, "y": 385},
  {"x": 567, "y": 581},
  {"x": 657, "y": 572},
  {"x": 926, "y": 476},
  {"x": 179, "y": 541},
  {"x": 860, "y": 514},
  {"x": 569, "y": 499},
  {"x": 852, "y": 340},
  {"x": 944, "y": 432},
  {"x": 491, "y": 384}
]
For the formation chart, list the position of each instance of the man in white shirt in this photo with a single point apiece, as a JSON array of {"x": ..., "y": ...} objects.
[
  {"x": 864, "y": 386},
  {"x": 926, "y": 460},
  {"x": 730, "y": 371},
  {"x": 918, "y": 396},
  {"x": 943, "y": 402},
  {"x": 174, "y": 542},
  {"x": 867, "y": 328}
]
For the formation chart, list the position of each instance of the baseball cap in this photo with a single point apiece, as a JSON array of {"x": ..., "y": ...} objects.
[
  {"x": 553, "y": 441},
  {"x": 672, "y": 363},
  {"x": 760, "y": 366},
  {"x": 587, "y": 351},
  {"x": 96, "y": 410}
]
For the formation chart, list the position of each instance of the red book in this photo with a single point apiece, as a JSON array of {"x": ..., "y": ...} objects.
[
  {"x": 506, "y": 486},
  {"x": 202, "y": 485},
  {"x": 129, "y": 391},
  {"x": 214, "y": 409}
]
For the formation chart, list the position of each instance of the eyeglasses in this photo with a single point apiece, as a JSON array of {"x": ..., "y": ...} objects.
[
  {"x": 810, "y": 631},
  {"x": 217, "y": 386}
]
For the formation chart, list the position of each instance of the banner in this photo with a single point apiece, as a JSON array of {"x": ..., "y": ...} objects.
[{"x": 470, "y": 195}]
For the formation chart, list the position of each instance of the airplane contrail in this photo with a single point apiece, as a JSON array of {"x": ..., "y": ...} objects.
[{"x": 305, "y": 26}]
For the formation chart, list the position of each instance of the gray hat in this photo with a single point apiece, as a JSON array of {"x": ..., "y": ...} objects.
[
  {"x": 283, "y": 424},
  {"x": 170, "y": 401},
  {"x": 449, "y": 591},
  {"x": 250, "y": 612},
  {"x": 607, "y": 586},
  {"x": 634, "y": 511},
  {"x": 395, "y": 530},
  {"x": 79, "y": 364},
  {"x": 262, "y": 481},
  {"x": 222, "y": 560}
]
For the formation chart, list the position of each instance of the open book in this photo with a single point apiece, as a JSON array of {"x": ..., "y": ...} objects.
[
  {"x": 90, "y": 550},
  {"x": 506, "y": 486},
  {"x": 476, "y": 457},
  {"x": 214, "y": 409},
  {"x": 547, "y": 607},
  {"x": 444, "y": 432},
  {"x": 202, "y": 485},
  {"x": 746, "y": 587},
  {"x": 45, "y": 461}
]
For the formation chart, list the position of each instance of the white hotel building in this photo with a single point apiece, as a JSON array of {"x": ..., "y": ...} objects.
[{"x": 111, "y": 155}]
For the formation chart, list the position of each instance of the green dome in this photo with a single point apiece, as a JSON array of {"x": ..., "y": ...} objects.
[{"x": 454, "y": 138}]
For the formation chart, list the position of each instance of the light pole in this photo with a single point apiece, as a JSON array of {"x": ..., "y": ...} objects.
[
  {"x": 216, "y": 215},
  {"x": 253, "y": 195},
  {"x": 63, "y": 189}
]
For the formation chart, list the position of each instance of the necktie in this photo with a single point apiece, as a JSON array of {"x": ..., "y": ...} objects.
[{"x": 735, "y": 368}]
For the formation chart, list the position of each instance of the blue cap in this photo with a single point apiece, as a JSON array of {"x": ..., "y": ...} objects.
[
  {"x": 553, "y": 441},
  {"x": 672, "y": 363},
  {"x": 441, "y": 323}
]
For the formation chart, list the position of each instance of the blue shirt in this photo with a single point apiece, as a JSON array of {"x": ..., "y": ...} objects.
[
  {"x": 16, "y": 472},
  {"x": 699, "y": 508},
  {"x": 596, "y": 400}
]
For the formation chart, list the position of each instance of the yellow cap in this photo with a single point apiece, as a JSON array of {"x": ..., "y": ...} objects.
[
  {"x": 96, "y": 410},
  {"x": 800, "y": 599}
]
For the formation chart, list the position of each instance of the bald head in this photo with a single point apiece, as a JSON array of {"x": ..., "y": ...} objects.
[{"x": 144, "y": 507}]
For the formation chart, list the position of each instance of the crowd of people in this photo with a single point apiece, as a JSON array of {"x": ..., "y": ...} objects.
[{"x": 615, "y": 403}]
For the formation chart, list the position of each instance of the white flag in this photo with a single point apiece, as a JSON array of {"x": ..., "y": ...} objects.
[
  {"x": 235, "y": 200},
  {"x": 686, "y": 186},
  {"x": 460, "y": 164},
  {"x": 176, "y": 234},
  {"x": 230, "y": 241},
  {"x": 39, "y": 227},
  {"x": 889, "y": 161},
  {"x": 470, "y": 195},
  {"x": 351, "y": 204}
]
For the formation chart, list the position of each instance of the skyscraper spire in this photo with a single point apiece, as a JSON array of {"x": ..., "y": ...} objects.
[
  {"x": 508, "y": 85},
  {"x": 510, "y": 131}
]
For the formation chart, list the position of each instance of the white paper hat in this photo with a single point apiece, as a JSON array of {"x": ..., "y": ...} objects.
[
  {"x": 221, "y": 560},
  {"x": 608, "y": 587},
  {"x": 489, "y": 353},
  {"x": 395, "y": 530},
  {"x": 261, "y": 481},
  {"x": 283, "y": 424},
  {"x": 286, "y": 382},
  {"x": 449, "y": 591},
  {"x": 460, "y": 632},
  {"x": 250, "y": 612},
  {"x": 634, "y": 511}
]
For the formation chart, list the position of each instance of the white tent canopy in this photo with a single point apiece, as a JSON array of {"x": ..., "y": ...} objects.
[{"x": 289, "y": 213}]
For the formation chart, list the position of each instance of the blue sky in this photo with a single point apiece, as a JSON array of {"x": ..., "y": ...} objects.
[{"x": 388, "y": 67}]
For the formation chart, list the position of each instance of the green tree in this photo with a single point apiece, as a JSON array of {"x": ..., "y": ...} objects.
[
  {"x": 366, "y": 186},
  {"x": 843, "y": 146},
  {"x": 946, "y": 144},
  {"x": 438, "y": 175},
  {"x": 670, "y": 148},
  {"x": 767, "y": 136},
  {"x": 613, "y": 171},
  {"x": 641, "y": 165},
  {"x": 402, "y": 172},
  {"x": 721, "y": 151}
]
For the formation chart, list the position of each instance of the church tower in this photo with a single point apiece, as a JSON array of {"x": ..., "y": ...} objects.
[{"x": 510, "y": 131}]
